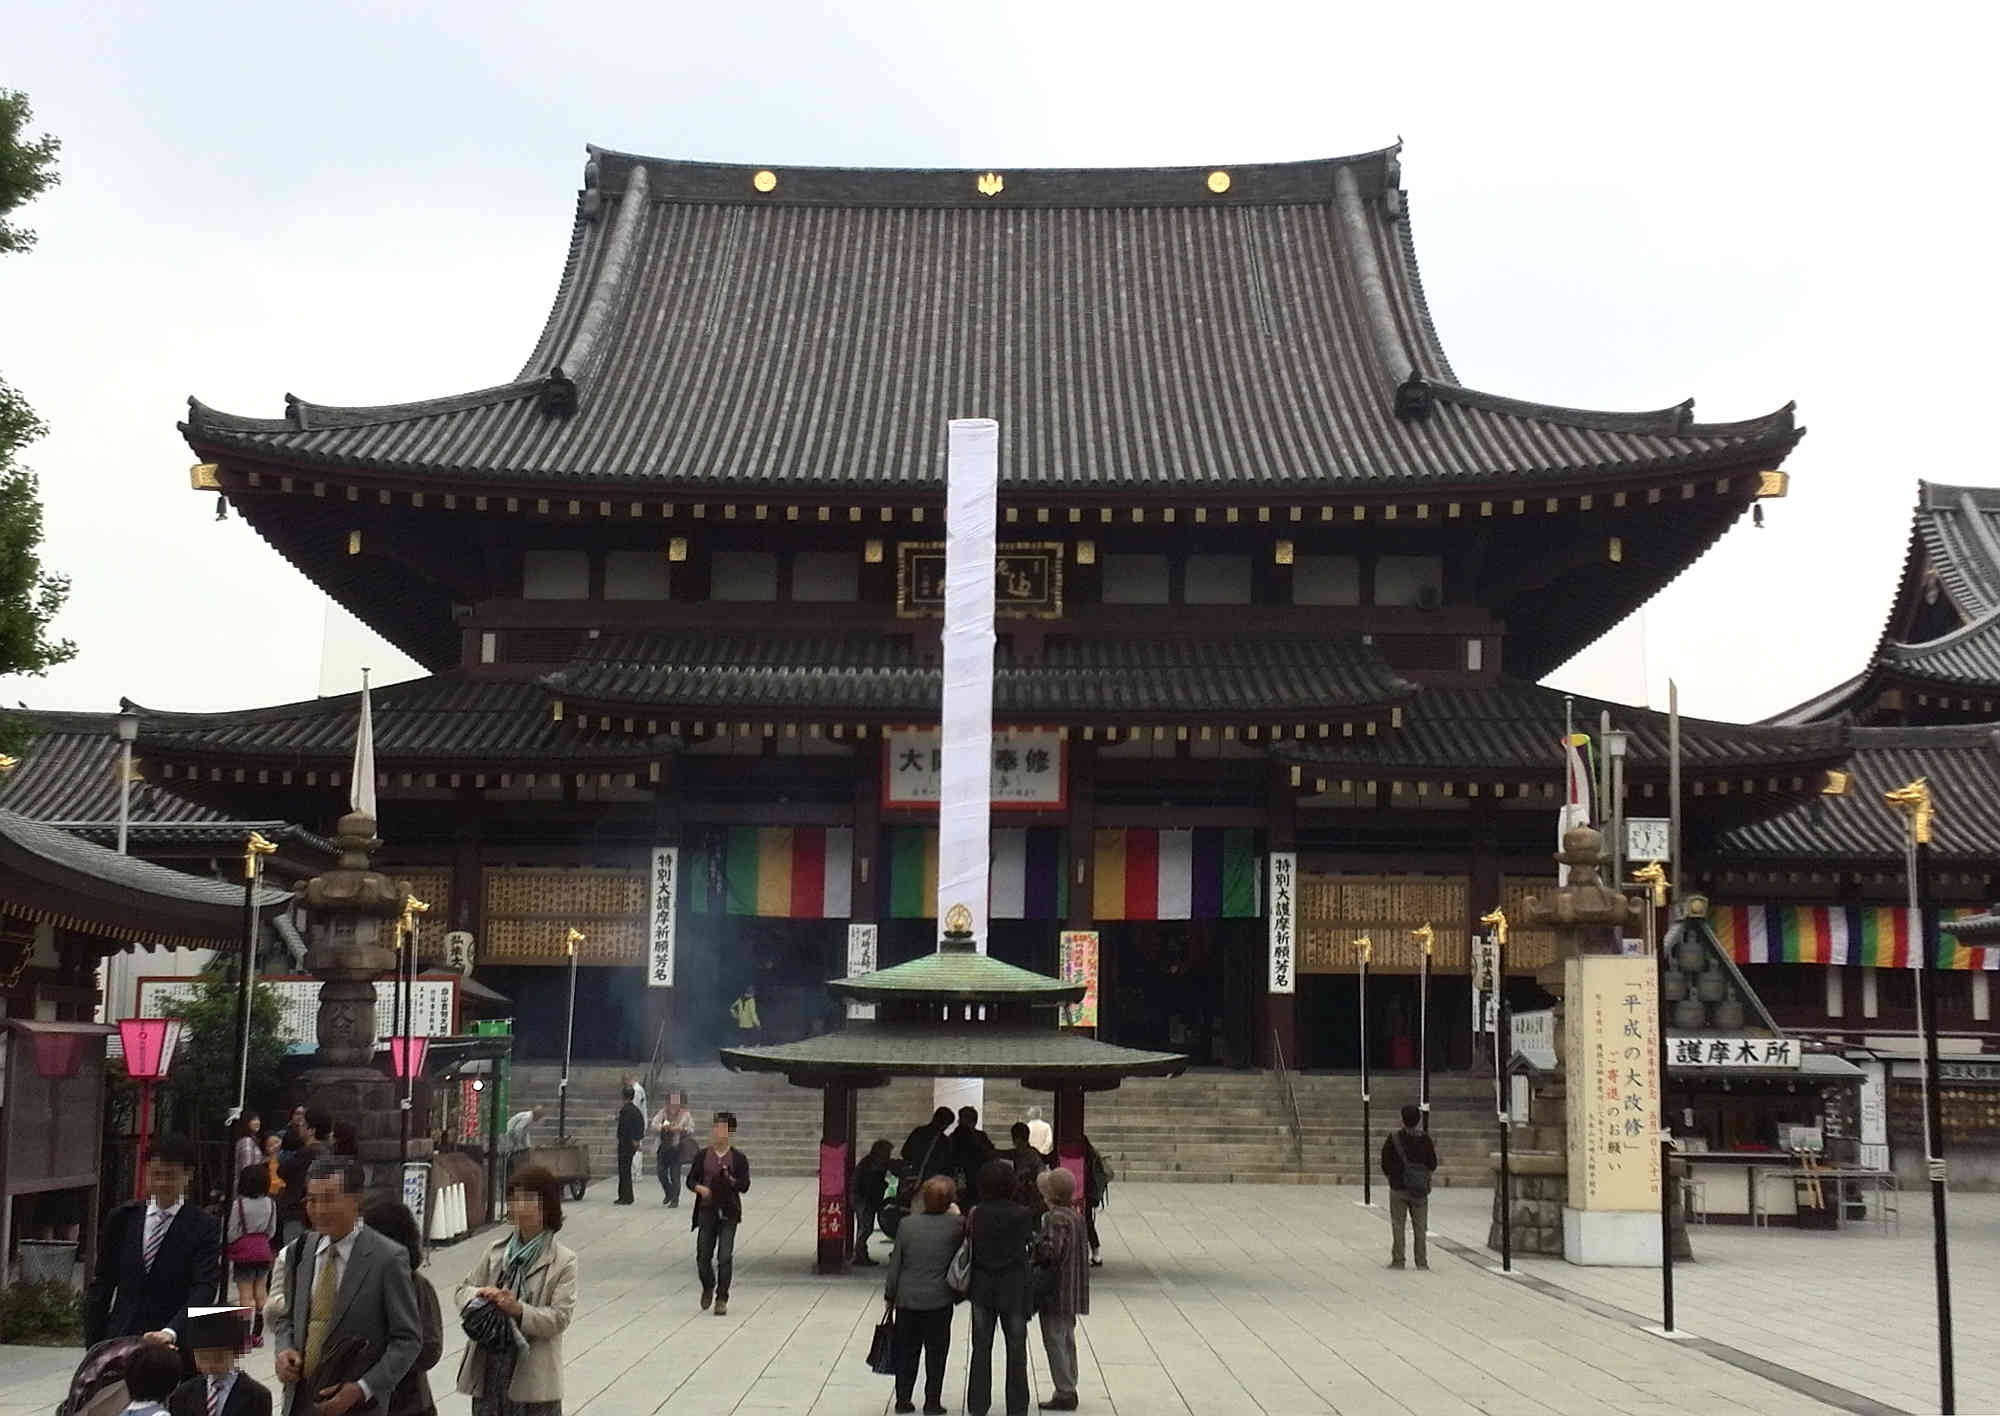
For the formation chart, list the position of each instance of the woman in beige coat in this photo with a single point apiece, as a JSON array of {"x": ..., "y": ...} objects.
[{"x": 532, "y": 1279}]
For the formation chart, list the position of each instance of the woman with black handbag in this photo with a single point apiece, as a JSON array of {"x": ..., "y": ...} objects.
[
  {"x": 917, "y": 1292},
  {"x": 515, "y": 1304}
]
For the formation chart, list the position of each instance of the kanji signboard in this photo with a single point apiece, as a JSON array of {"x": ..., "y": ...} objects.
[
  {"x": 660, "y": 928},
  {"x": 861, "y": 946},
  {"x": 1027, "y": 579},
  {"x": 1284, "y": 922},
  {"x": 1079, "y": 965},
  {"x": 1028, "y": 768},
  {"x": 1731, "y": 1053},
  {"x": 1613, "y": 1038}
]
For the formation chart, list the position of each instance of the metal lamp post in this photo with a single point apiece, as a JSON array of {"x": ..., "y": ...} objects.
[
  {"x": 1653, "y": 879},
  {"x": 406, "y": 1070},
  {"x": 1424, "y": 935},
  {"x": 574, "y": 938},
  {"x": 149, "y": 1045},
  {"x": 128, "y": 733},
  {"x": 1367, "y": 1141},
  {"x": 1914, "y": 802},
  {"x": 1502, "y": 1056}
]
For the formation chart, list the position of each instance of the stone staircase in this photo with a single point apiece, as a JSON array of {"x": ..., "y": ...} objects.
[{"x": 1208, "y": 1126}]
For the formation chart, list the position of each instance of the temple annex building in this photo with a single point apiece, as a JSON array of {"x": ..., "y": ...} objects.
[{"x": 1272, "y": 581}]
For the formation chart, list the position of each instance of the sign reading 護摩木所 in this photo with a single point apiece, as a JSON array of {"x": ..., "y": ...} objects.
[
  {"x": 1613, "y": 1042},
  {"x": 1027, "y": 579},
  {"x": 1731, "y": 1053},
  {"x": 1028, "y": 768},
  {"x": 660, "y": 926}
]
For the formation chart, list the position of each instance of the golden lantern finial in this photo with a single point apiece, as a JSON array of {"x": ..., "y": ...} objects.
[
  {"x": 1424, "y": 936},
  {"x": 1914, "y": 801},
  {"x": 254, "y": 849},
  {"x": 574, "y": 938},
  {"x": 8, "y": 764},
  {"x": 1654, "y": 875},
  {"x": 1367, "y": 948},
  {"x": 1498, "y": 920}
]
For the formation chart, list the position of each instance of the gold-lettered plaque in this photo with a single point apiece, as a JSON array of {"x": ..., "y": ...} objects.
[{"x": 1027, "y": 579}]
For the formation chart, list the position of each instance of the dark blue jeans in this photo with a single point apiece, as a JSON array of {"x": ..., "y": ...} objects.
[{"x": 979, "y": 1386}]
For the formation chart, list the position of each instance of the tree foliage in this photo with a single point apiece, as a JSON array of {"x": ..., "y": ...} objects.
[
  {"x": 29, "y": 595},
  {"x": 27, "y": 169},
  {"x": 203, "y": 1077}
]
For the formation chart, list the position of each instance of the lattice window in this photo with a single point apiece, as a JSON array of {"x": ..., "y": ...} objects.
[
  {"x": 1527, "y": 949},
  {"x": 529, "y": 914},
  {"x": 1335, "y": 910}
]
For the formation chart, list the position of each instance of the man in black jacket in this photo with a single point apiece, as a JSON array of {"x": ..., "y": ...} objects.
[
  {"x": 631, "y": 1131},
  {"x": 157, "y": 1256},
  {"x": 718, "y": 1177},
  {"x": 1409, "y": 1160},
  {"x": 928, "y": 1150}
]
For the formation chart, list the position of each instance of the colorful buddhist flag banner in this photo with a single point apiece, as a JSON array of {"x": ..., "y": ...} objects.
[
  {"x": 789, "y": 872},
  {"x": 1199, "y": 874},
  {"x": 1025, "y": 878},
  {"x": 1874, "y": 936}
]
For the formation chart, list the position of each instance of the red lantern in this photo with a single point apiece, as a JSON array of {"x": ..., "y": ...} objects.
[
  {"x": 149, "y": 1045},
  {"x": 406, "y": 1056}
]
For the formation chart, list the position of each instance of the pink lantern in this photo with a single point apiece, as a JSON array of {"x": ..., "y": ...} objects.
[
  {"x": 149, "y": 1045},
  {"x": 406, "y": 1056}
]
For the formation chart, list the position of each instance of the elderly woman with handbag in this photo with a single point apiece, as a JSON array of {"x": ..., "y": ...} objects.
[
  {"x": 1062, "y": 1283},
  {"x": 515, "y": 1304}
]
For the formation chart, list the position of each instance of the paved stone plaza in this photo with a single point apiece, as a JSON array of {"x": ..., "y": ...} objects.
[{"x": 1255, "y": 1299}]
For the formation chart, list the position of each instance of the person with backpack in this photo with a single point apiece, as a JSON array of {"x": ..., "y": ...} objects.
[{"x": 1409, "y": 1161}]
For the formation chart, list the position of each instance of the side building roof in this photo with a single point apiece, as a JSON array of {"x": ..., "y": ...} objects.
[{"x": 1173, "y": 331}]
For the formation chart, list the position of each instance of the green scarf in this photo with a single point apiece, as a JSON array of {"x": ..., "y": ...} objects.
[{"x": 520, "y": 1257}]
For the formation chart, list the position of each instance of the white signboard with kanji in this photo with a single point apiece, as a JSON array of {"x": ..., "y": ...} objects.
[
  {"x": 433, "y": 1007},
  {"x": 1027, "y": 768},
  {"x": 862, "y": 940},
  {"x": 660, "y": 925},
  {"x": 1485, "y": 983},
  {"x": 1284, "y": 921},
  {"x": 1724, "y": 1054}
]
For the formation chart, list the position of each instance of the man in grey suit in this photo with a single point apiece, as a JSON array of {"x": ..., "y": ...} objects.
[{"x": 343, "y": 1281}]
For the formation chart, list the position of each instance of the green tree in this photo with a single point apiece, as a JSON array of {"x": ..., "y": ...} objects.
[
  {"x": 202, "y": 1081},
  {"x": 29, "y": 595}
]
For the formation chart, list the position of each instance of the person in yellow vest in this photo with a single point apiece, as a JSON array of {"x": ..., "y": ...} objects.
[{"x": 749, "y": 1030}]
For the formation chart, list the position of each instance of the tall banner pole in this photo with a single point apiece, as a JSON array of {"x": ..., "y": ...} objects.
[
  {"x": 1367, "y": 1140},
  {"x": 574, "y": 938},
  {"x": 1424, "y": 936},
  {"x": 1914, "y": 801},
  {"x": 971, "y": 519},
  {"x": 1654, "y": 877},
  {"x": 254, "y": 851}
]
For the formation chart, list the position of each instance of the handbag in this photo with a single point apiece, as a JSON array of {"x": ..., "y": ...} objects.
[
  {"x": 489, "y": 1328},
  {"x": 882, "y": 1349},
  {"x": 249, "y": 1248},
  {"x": 958, "y": 1273}
]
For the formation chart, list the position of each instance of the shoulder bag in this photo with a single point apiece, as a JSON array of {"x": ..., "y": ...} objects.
[
  {"x": 958, "y": 1274},
  {"x": 248, "y": 1247}
]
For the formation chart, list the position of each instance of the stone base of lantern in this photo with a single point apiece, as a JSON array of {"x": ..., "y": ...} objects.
[{"x": 370, "y": 1103}]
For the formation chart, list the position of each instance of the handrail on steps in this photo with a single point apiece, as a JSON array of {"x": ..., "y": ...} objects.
[{"x": 1291, "y": 1100}]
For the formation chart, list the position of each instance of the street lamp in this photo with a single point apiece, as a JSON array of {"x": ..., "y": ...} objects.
[
  {"x": 1616, "y": 744},
  {"x": 128, "y": 733},
  {"x": 149, "y": 1045},
  {"x": 570, "y": 941}
]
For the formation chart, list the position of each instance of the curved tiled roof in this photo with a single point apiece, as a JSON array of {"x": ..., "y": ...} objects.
[
  {"x": 960, "y": 974},
  {"x": 1962, "y": 765},
  {"x": 1034, "y": 1055},
  {"x": 69, "y": 772},
  {"x": 1132, "y": 330},
  {"x": 428, "y": 719},
  {"x": 1511, "y": 727},
  {"x": 1250, "y": 676}
]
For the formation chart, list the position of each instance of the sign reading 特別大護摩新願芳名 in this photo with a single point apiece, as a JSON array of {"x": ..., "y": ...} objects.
[
  {"x": 1723, "y": 1054},
  {"x": 665, "y": 893},
  {"x": 1283, "y": 924},
  {"x": 1029, "y": 770}
]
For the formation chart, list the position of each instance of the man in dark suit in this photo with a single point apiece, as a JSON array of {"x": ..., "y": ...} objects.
[
  {"x": 218, "y": 1336},
  {"x": 631, "y": 1131},
  {"x": 158, "y": 1256},
  {"x": 344, "y": 1281}
]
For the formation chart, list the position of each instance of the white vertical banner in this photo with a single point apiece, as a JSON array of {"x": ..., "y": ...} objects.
[
  {"x": 1283, "y": 921},
  {"x": 861, "y": 942},
  {"x": 660, "y": 927},
  {"x": 965, "y": 788}
]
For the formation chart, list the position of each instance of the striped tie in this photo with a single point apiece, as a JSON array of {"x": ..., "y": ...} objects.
[
  {"x": 156, "y": 1233},
  {"x": 215, "y": 1396}
]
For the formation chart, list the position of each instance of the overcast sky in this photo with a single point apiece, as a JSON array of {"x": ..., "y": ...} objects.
[{"x": 1615, "y": 207}]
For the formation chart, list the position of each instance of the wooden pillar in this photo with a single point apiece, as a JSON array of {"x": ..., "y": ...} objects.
[
  {"x": 836, "y": 1161},
  {"x": 868, "y": 863},
  {"x": 1069, "y": 1135},
  {"x": 1279, "y": 1023}
]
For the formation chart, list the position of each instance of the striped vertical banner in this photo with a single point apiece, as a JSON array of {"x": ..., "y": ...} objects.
[
  {"x": 1208, "y": 873},
  {"x": 1026, "y": 879},
  {"x": 789, "y": 872}
]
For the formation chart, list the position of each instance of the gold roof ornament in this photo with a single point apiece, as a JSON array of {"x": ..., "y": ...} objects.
[
  {"x": 255, "y": 849},
  {"x": 1836, "y": 782},
  {"x": 1218, "y": 181},
  {"x": 1424, "y": 935},
  {"x": 765, "y": 181},
  {"x": 990, "y": 184},
  {"x": 205, "y": 477},
  {"x": 8, "y": 764},
  {"x": 1773, "y": 483},
  {"x": 1914, "y": 801},
  {"x": 958, "y": 920},
  {"x": 1655, "y": 876},
  {"x": 1497, "y": 921}
]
